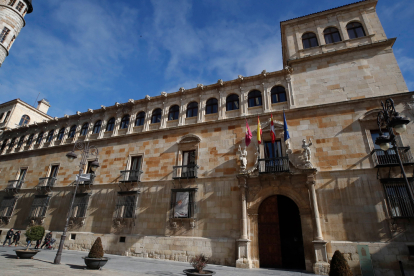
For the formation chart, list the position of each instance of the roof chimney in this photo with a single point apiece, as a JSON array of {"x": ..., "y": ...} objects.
[{"x": 43, "y": 105}]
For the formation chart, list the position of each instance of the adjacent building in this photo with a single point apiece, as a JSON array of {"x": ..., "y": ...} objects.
[{"x": 175, "y": 178}]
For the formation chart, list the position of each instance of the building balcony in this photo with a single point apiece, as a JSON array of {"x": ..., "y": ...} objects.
[
  {"x": 130, "y": 176},
  {"x": 46, "y": 183},
  {"x": 187, "y": 171},
  {"x": 14, "y": 185},
  {"x": 274, "y": 165},
  {"x": 389, "y": 158}
]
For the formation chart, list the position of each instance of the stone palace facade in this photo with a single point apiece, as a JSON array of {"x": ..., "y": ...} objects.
[{"x": 175, "y": 180}]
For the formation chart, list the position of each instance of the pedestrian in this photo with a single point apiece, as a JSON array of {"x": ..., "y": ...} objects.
[
  {"x": 29, "y": 243},
  {"x": 9, "y": 236},
  {"x": 47, "y": 239},
  {"x": 16, "y": 238},
  {"x": 38, "y": 243}
]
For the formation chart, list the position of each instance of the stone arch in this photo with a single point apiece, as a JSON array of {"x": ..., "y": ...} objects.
[{"x": 189, "y": 138}]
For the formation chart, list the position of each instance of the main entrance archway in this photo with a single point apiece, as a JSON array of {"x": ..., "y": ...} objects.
[{"x": 280, "y": 234}]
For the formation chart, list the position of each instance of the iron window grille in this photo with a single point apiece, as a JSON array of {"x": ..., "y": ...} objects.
[
  {"x": 111, "y": 124},
  {"x": 30, "y": 139},
  {"x": 12, "y": 2},
  {"x": 3, "y": 36},
  {"x": 13, "y": 140},
  {"x": 309, "y": 40},
  {"x": 399, "y": 202},
  {"x": 173, "y": 113},
  {"x": 278, "y": 94},
  {"x": 84, "y": 129},
  {"x": 126, "y": 205},
  {"x": 192, "y": 109},
  {"x": 139, "y": 121},
  {"x": 39, "y": 206},
  {"x": 19, "y": 6},
  {"x": 49, "y": 137},
  {"x": 183, "y": 203},
  {"x": 332, "y": 35},
  {"x": 80, "y": 205},
  {"x": 39, "y": 138},
  {"x": 97, "y": 127},
  {"x": 125, "y": 122},
  {"x": 212, "y": 106},
  {"x": 72, "y": 131},
  {"x": 156, "y": 116},
  {"x": 255, "y": 98},
  {"x": 7, "y": 206},
  {"x": 355, "y": 30},
  {"x": 24, "y": 120},
  {"x": 61, "y": 134}
]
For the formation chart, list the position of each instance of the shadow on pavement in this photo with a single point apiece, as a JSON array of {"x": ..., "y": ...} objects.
[
  {"x": 164, "y": 273},
  {"x": 9, "y": 256},
  {"x": 76, "y": 266}
]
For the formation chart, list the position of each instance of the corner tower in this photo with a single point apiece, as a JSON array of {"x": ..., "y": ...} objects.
[{"x": 12, "y": 13}]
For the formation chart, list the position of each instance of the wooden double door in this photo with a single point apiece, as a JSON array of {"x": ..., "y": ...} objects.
[{"x": 280, "y": 234}]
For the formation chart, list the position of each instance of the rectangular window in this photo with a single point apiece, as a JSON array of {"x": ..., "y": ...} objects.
[
  {"x": 398, "y": 198},
  {"x": 12, "y": 2},
  {"x": 182, "y": 203},
  {"x": 54, "y": 171},
  {"x": 39, "y": 206},
  {"x": 3, "y": 36},
  {"x": 19, "y": 6},
  {"x": 273, "y": 150},
  {"x": 80, "y": 206},
  {"x": 189, "y": 163},
  {"x": 22, "y": 176},
  {"x": 7, "y": 206},
  {"x": 126, "y": 205}
]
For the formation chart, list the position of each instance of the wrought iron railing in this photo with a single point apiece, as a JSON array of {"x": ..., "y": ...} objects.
[
  {"x": 47, "y": 182},
  {"x": 187, "y": 171},
  {"x": 131, "y": 176},
  {"x": 14, "y": 184},
  {"x": 274, "y": 165},
  {"x": 389, "y": 158},
  {"x": 399, "y": 201}
]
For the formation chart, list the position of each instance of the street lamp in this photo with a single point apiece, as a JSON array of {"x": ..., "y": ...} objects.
[
  {"x": 86, "y": 152},
  {"x": 392, "y": 121}
]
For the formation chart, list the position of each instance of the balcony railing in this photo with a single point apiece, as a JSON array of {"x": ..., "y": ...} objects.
[
  {"x": 274, "y": 165},
  {"x": 130, "y": 176},
  {"x": 14, "y": 184},
  {"x": 47, "y": 182},
  {"x": 187, "y": 171},
  {"x": 389, "y": 158}
]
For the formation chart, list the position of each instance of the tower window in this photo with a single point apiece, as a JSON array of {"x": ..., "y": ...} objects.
[
  {"x": 30, "y": 140},
  {"x": 11, "y": 42},
  {"x": 97, "y": 127},
  {"x": 140, "y": 119},
  {"x": 12, "y": 2},
  {"x": 156, "y": 116},
  {"x": 24, "y": 120},
  {"x": 50, "y": 136},
  {"x": 355, "y": 30},
  {"x": 61, "y": 133},
  {"x": 309, "y": 40},
  {"x": 278, "y": 94},
  {"x": 232, "y": 102},
  {"x": 255, "y": 98},
  {"x": 173, "y": 113},
  {"x": 39, "y": 138},
  {"x": 72, "y": 131},
  {"x": 331, "y": 35},
  {"x": 110, "y": 125},
  {"x": 84, "y": 129},
  {"x": 192, "y": 109},
  {"x": 19, "y": 6},
  {"x": 125, "y": 122},
  {"x": 1, "y": 116},
  {"x": 4, "y": 34},
  {"x": 212, "y": 106}
]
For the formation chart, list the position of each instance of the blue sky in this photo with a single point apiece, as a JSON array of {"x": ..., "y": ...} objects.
[{"x": 83, "y": 54}]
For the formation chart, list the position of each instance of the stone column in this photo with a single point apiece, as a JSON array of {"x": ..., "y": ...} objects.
[
  {"x": 321, "y": 266},
  {"x": 243, "y": 102},
  {"x": 243, "y": 244},
  {"x": 290, "y": 96},
  {"x": 222, "y": 105},
  {"x": 201, "y": 110},
  {"x": 181, "y": 117},
  {"x": 131, "y": 122}
]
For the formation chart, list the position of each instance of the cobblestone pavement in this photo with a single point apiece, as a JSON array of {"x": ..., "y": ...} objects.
[{"x": 72, "y": 263}]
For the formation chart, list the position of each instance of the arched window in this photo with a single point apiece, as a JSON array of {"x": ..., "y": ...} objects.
[
  {"x": 355, "y": 30},
  {"x": 1, "y": 116},
  {"x": 232, "y": 102},
  {"x": 39, "y": 138},
  {"x": 20, "y": 143},
  {"x": 24, "y": 120},
  {"x": 173, "y": 113},
  {"x": 72, "y": 131},
  {"x": 84, "y": 129},
  {"x": 50, "y": 136},
  {"x": 331, "y": 35},
  {"x": 125, "y": 122},
  {"x": 7, "y": 116},
  {"x": 309, "y": 40},
  {"x": 30, "y": 139},
  {"x": 61, "y": 133},
  {"x": 13, "y": 140},
  {"x": 212, "y": 106},
  {"x": 4, "y": 144},
  {"x": 111, "y": 124},
  {"x": 156, "y": 116},
  {"x": 278, "y": 94},
  {"x": 255, "y": 98},
  {"x": 97, "y": 127},
  {"x": 139, "y": 121},
  {"x": 192, "y": 109}
]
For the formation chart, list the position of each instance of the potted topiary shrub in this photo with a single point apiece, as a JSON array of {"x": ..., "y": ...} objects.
[
  {"x": 199, "y": 262},
  {"x": 95, "y": 259},
  {"x": 33, "y": 234},
  {"x": 339, "y": 266}
]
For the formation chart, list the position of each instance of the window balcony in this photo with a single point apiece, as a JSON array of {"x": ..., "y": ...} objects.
[
  {"x": 389, "y": 158},
  {"x": 130, "y": 176},
  {"x": 14, "y": 185},
  {"x": 186, "y": 171},
  {"x": 274, "y": 165},
  {"x": 46, "y": 183}
]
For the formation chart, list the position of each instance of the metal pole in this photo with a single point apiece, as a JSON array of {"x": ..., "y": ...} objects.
[{"x": 63, "y": 238}]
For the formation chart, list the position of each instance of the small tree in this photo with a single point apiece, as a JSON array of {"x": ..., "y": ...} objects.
[
  {"x": 35, "y": 233},
  {"x": 339, "y": 266},
  {"x": 199, "y": 262},
  {"x": 97, "y": 249}
]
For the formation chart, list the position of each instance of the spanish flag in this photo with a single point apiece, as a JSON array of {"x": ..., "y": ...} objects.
[{"x": 259, "y": 131}]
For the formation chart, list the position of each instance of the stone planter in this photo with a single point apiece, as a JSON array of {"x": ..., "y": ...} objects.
[
  {"x": 193, "y": 272},
  {"x": 95, "y": 263},
  {"x": 25, "y": 254}
]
